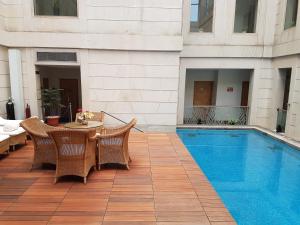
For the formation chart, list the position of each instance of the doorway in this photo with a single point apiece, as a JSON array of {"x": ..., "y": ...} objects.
[
  {"x": 68, "y": 79},
  {"x": 285, "y": 79},
  {"x": 245, "y": 93},
  {"x": 70, "y": 94},
  {"x": 203, "y": 93}
]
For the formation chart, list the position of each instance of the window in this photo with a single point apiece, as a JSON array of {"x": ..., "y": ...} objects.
[
  {"x": 201, "y": 15},
  {"x": 245, "y": 16},
  {"x": 55, "y": 7},
  {"x": 57, "y": 56},
  {"x": 291, "y": 13}
]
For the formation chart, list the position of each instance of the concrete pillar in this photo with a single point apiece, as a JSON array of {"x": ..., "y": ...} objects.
[
  {"x": 16, "y": 82},
  {"x": 181, "y": 95}
]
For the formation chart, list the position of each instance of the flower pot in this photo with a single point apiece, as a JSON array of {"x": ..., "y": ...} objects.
[{"x": 53, "y": 121}]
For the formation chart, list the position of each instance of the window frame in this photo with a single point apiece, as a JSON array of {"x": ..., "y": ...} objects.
[
  {"x": 256, "y": 19},
  {"x": 285, "y": 14},
  {"x": 191, "y": 23},
  {"x": 55, "y": 16}
]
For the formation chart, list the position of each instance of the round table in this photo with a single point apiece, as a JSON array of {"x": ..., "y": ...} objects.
[{"x": 90, "y": 125}]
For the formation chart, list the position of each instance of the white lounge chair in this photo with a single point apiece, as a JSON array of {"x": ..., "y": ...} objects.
[
  {"x": 4, "y": 143},
  {"x": 17, "y": 135}
]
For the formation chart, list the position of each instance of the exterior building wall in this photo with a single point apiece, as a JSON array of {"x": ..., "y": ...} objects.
[
  {"x": 223, "y": 42},
  {"x": 133, "y": 55},
  {"x": 4, "y": 80},
  {"x": 286, "y": 41},
  {"x": 140, "y": 84},
  {"x": 136, "y": 42},
  {"x": 4, "y": 69},
  {"x": 126, "y": 84},
  {"x": 293, "y": 115},
  {"x": 119, "y": 25}
]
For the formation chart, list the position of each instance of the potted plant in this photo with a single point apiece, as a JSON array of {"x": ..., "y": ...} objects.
[
  {"x": 232, "y": 122},
  {"x": 51, "y": 102}
]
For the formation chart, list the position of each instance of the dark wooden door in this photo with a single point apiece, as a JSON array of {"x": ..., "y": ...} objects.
[
  {"x": 245, "y": 93},
  {"x": 287, "y": 90},
  {"x": 203, "y": 92},
  {"x": 70, "y": 93}
]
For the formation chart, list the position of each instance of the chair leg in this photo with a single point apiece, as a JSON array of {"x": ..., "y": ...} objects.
[
  {"x": 127, "y": 167},
  {"x": 55, "y": 180},
  {"x": 84, "y": 180},
  {"x": 35, "y": 165}
]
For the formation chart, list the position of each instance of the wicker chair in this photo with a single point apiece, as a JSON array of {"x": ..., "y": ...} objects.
[
  {"x": 44, "y": 148},
  {"x": 76, "y": 152},
  {"x": 113, "y": 145}
]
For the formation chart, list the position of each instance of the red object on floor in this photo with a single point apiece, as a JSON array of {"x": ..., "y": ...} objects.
[{"x": 27, "y": 112}]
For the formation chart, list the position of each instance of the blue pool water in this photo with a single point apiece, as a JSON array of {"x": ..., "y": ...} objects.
[{"x": 257, "y": 177}]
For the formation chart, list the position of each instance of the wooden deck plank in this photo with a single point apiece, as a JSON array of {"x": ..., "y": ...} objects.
[{"x": 164, "y": 186}]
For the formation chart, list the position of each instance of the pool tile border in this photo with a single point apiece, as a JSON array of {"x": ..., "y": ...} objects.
[{"x": 280, "y": 137}]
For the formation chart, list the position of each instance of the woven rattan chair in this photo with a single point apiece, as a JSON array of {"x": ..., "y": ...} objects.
[
  {"x": 76, "y": 152},
  {"x": 113, "y": 145},
  {"x": 44, "y": 148}
]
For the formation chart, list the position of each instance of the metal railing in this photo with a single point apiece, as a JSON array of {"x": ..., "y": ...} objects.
[
  {"x": 122, "y": 121},
  {"x": 216, "y": 115}
]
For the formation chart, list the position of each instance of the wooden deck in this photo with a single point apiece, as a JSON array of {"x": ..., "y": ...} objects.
[{"x": 163, "y": 187}]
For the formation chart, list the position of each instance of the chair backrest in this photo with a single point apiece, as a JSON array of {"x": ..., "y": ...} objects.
[
  {"x": 130, "y": 125},
  {"x": 34, "y": 126},
  {"x": 98, "y": 116},
  {"x": 70, "y": 143}
]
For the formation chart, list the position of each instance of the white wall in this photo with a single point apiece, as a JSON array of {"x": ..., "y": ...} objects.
[
  {"x": 2, "y": 15},
  {"x": 293, "y": 116},
  {"x": 133, "y": 84},
  {"x": 287, "y": 42},
  {"x": 223, "y": 42},
  {"x": 127, "y": 25},
  {"x": 234, "y": 79},
  {"x": 4, "y": 80}
]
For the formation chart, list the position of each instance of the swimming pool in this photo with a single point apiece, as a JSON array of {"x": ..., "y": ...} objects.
[{"x": 257, "y": 177}]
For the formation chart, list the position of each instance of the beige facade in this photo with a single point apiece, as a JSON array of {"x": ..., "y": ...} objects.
[{"x": 134, "y": 56}]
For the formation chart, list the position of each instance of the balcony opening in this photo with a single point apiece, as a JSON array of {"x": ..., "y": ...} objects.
[{"x": 217, "y": 97}]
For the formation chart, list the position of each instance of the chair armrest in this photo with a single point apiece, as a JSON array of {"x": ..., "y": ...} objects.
[{"x": 94, "y": 138}]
